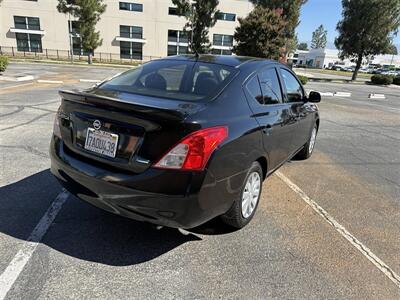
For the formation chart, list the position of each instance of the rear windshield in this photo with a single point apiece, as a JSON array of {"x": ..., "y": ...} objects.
[{"x": 173, "y": 79}]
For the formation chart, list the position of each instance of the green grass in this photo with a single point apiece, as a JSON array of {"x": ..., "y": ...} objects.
[
  {"x": 82, "y": 62},
  {"x": 341, "y": 73}
]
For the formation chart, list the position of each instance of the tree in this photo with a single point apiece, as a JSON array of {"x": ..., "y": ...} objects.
[
  {"x": 87, "y": 13},
  {"x": 201, "y": 16},
  {"x": 367, "y": 29},
  {"x": 392, "y": 50},
  {"x": 290, "y": 12},
  {"x": 319, "y": 38},
  {"x": 291, "y": 45},
  {"x": 260, "y": 34},
  {"x": 302, "y": 46}
]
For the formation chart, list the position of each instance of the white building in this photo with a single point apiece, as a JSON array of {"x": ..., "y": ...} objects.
[
  {"x": 321, "y": 58},
  {"x": 386, "y": 60},
  {"x": 325, "y": 58},
  {"x": 132, "y": 29}
]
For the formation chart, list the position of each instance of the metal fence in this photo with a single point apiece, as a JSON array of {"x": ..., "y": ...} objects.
[{"x": 57, "y": 54}]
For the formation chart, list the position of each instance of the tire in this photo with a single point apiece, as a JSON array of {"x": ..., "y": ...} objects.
[
  {"x": 308, "y": 147},
  {"x": 238, "y": 217}
]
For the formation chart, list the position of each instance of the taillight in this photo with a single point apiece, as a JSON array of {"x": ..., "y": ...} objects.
[{"x": 193, "y": 152}]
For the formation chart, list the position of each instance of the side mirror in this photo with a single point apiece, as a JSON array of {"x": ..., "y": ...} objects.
[{"x": 314, "y": 97}]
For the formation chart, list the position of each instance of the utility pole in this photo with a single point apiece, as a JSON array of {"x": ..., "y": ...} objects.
[{"x": 70, "y": 37}]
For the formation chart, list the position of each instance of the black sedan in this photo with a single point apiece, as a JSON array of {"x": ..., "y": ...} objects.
[{"x": 182, "y": 140}]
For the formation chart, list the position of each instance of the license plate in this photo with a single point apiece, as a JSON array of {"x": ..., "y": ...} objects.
[{"x": 101, "y": 142}]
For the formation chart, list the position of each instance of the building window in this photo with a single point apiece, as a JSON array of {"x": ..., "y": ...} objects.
[
  {"x": 223, "y": 40},
  {"x": 74, "y": 32},
  {"x": 177, "y": 42},
  {"x": 28, "y": 42},
  {"x": 178, "y": 36},
  {"x": 131, "y": 6},
  {"x": 226, "y": 16},
  {"x": 133, "y": 32},
  {"x": 73, "y": 27},
  {"x": 221, "y": 52},
  {"x": 77, "y": 48},
  {"x": 177, "y": 50},
  {"x": 173, "y": 11},
  {"x": 131, "y": 50},
  {"x": 31, "y": 23}
]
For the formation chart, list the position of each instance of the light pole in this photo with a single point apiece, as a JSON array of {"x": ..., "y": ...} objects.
[
  {"x": 70, "y": 37},
  {"x": 391, "y": 62}
]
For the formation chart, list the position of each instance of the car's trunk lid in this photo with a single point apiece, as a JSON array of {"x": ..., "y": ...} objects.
[{"x": 146, "y": 126}]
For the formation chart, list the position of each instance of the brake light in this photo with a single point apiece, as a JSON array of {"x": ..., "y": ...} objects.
[{"x": 193, "y": 152}]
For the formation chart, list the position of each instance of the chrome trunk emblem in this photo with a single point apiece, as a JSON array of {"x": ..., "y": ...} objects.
[{"x": 97, "y": 124}]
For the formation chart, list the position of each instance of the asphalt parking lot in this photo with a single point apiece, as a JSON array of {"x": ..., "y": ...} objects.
[{"x": 326, "y": 228}]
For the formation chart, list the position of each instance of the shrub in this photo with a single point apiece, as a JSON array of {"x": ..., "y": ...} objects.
[
  {"x": 396, "y": 80},
  {"x": 382, "y": 79},
  {"x": 303, "y": 79},
  {"x": 3, "y": 63}
]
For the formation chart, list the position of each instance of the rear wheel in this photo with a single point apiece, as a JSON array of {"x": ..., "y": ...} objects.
[
  {"x": 244, "y": 208},
  {"x": 308, "y": 148}
]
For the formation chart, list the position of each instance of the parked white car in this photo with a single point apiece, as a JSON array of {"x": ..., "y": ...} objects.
[
  {"x": 391, "y": 72},
  {"x": 364, "y": 70}
]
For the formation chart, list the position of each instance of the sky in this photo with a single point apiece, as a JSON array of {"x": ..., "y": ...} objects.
[{"x": 325, "y": 12}]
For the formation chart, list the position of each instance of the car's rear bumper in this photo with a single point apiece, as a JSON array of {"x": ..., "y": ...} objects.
[{"x": 115, "y": 192}]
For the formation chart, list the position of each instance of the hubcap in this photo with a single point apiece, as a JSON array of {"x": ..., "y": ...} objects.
[
  {"x": 251, "y": 194},
  {"x": 312, "y": 140}
]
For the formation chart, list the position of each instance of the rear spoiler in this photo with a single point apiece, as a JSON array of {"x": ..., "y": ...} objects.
[{"x": 165, "y": 109}]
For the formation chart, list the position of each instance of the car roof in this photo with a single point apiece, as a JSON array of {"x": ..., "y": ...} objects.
[{"x": 229, "y": 60}]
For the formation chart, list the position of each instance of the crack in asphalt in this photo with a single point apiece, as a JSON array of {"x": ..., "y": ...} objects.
[
  {"x": 33, "y": 106},
  {"x": 43, "y": 109},
  {"x": 28, "y": 149},
  {"x": 19, "y": 109},
  {"x": 26, "y": 123}
]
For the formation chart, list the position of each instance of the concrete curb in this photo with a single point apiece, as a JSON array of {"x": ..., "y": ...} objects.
[
  {"x": 17, "y": 78},
  {"x": 347, "y": 94},
  {"x": 349, "y": 81}
]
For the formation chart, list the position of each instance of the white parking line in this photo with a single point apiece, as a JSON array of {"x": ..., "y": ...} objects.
[
  {"x": 327, "y": 94},
  {"x": 342, "y": 94},
  {"x": 384, "y": 268},
  {"x": 17, "y": 264},
  {"x": 376, "y": 96},
  {"x": 49, "y": 81},
  {"x": 90, "y": 80}
]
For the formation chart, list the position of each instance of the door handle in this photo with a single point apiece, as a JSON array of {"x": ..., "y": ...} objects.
[{"x": 267, "y": 129}]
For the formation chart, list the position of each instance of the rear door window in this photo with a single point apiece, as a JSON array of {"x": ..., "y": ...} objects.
[
  {"x": 293, "y": 87},
  {"x": 270, "y": 86},
  {"x": 265, "y": 87},
  {"x": 174, "y": 79},
  {"x": 254, "y": 89}
]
